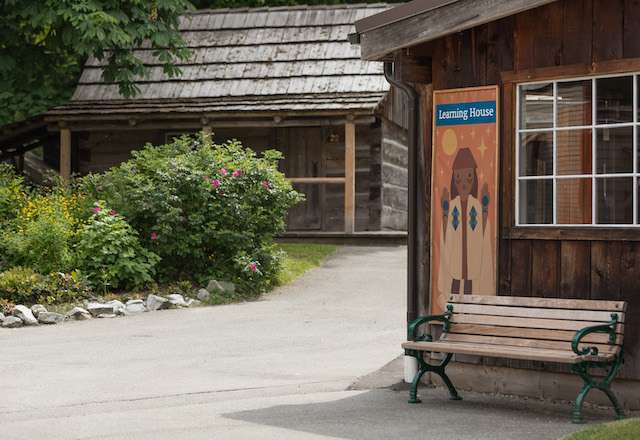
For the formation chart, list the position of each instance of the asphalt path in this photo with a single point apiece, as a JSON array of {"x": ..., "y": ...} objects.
[{"x": 317, "y": 359}]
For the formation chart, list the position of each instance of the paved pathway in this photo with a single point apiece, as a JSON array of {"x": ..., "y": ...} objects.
[{"x": 315, "y": 360}]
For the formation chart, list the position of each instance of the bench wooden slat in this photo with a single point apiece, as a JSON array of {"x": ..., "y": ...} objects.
[
  {"x": 506, "y": 321},
  {"x": 527, "y": 333},
  {"x": 525, "y": 312},
  {"x": 560, "y": 303},
  {"x": 511, "y": 352},
  {"x": 533, "y": 343}
]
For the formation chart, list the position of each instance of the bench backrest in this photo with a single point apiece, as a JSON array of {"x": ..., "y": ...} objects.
[{"x": 548, "y": 323}]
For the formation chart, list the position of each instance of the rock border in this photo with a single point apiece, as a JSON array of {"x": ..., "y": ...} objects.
[{"x": 38, "y": 314}]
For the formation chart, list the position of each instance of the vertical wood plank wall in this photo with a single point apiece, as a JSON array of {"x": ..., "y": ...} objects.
[{"x": 566, "y": 32}]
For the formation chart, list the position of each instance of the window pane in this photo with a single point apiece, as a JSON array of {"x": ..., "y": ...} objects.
[
  {"x": 615, "y": 100},
  {"x": 536, "y": 201},
  {"x": 614, "y": 150},
  {"x": 573, "y": 201},
  {"x": 574, "y": 152},
  {"x": 574, "y": 103},
  {"x": 614, "y": 202},
  {"x": 536, "y": 106},
  {"x": 536, "y": 154}
]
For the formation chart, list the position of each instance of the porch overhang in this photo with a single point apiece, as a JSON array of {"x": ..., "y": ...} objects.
[{"x": 421, "y": 21}]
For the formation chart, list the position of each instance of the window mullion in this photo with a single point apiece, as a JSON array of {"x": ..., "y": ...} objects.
[
  {"x": 555, "y": 151},
  {"x": 594, "y": 186}
]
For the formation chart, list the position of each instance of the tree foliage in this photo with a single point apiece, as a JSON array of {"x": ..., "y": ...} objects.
[{"x": 43, "y": 44}]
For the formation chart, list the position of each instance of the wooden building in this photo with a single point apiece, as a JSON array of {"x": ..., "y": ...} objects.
[
  {"x": 284, "y": 78},
  {"x": 566, "y": 74}
]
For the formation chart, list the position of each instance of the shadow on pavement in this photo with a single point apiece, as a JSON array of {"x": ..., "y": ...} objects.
[{"x": 386, "y": 414}]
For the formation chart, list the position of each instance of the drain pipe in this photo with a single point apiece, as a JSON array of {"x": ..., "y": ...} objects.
[
  {"x": 410, "y": 362},
  {"x": 412, "y": 291}
]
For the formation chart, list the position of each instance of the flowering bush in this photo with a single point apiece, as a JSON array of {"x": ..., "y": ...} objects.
[
  {"x": 108, "y": 248},
  {"x": 207, "y": 210},
  {"x": 41, "y": 229}
]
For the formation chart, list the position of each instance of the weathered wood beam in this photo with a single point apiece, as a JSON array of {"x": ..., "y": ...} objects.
[
  {"x": 196, "y": 125},
  {"x": 350, "y": 177},
  {"x": 317, "y": 180},
  {"x": 411, "y": 68},
  {"x": 65, "y": 153},
  {"x": 378, "y": 42}
]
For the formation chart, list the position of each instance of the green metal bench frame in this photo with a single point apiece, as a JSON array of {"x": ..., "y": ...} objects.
[{"x": 580, "y": 368}]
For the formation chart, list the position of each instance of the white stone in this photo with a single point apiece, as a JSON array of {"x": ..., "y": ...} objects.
[
  {"x": 36, "y": 309},
  {"x": 193, "y": 302},
  {"x": 110, "y": 308},
  {"x": 177, "y": 300},
  {"x": 79, "y": 314},
  {"x": 214, "y": 286},
  {"x": 50, "y": 318},
  {"x": 204, "y": 295},
  {"x": 118, "y": 307},
  {"x": 155, "y": 302},
  {"x": 135, "y": 306},
  {"x": 24, "y": 313},
  {"x": 12, "y": 322}
]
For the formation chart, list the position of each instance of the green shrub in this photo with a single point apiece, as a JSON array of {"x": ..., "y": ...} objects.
[
  {"x": 108, "y": 248},
  {"x": 11, "y": 192},
  {"x": 206, "y": 209},
  {"x": 61, "y": 287},
  {"x": 42, "y": 230},
  {"x": 21, "y": 285}
]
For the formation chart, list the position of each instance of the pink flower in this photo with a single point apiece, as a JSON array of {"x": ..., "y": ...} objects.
[
  {"x": 253, "y": 267},
  {"x": 96, "y": 209},
  {"x": 153, "y": 235},
  {"x": 266, "y": 184},
  {"x": 112, "y": 213},
  {"x": 174, "y": 163},
  {"x": 207, "y": 177},
  {"x": 237, "y": 173},
  {"x": 223, "y": 171},
  {"x": 216, "y": 182},
  {"x": 98, "y": 187}
]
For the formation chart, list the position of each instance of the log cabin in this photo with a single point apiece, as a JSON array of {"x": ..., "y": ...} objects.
[{"x": 284, "y": 78}]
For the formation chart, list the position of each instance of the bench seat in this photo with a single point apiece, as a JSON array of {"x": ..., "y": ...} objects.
[
  {"x": 582, "y": 333},
  {"x": 508, "y": 352}
]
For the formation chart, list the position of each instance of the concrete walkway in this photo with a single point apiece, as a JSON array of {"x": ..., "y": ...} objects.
[{"x": 319, "y": 359}]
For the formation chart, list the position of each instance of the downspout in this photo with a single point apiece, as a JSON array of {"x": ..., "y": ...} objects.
[{"x": 412, "y": 243}]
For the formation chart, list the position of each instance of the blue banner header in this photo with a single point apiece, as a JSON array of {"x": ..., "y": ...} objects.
[{"x": 464, "y": 113}]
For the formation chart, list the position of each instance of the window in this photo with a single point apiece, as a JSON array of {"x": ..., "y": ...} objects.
[{"x": 577, "y": 152}]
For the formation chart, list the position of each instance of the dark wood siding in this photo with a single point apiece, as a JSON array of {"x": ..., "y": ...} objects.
[{"x": 599, "y": 265}]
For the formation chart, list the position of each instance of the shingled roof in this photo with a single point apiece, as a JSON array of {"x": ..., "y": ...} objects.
[{"x": 293, "y": 59}]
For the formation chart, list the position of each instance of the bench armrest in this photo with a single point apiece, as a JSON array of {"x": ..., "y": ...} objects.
[
  {"x": 411, "y": 332},
  {"x": 604, "y": 328}
]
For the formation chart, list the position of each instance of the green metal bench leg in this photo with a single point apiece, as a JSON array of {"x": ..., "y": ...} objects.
[
  {"x": 438, "y": 369},
  {"x": 577, "y": 410},
  {"x": 604, "y": 385}
]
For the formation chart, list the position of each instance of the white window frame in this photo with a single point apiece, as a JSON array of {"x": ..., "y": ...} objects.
[{"x": 593, "y": 176}]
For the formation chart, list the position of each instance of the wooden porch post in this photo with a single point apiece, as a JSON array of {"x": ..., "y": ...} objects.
[
  {"x": 350, "y": 175},
  {"x": 65, "y": 153}
]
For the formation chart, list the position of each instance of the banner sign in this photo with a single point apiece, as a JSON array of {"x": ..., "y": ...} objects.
[{"x": 464, "y": 194}]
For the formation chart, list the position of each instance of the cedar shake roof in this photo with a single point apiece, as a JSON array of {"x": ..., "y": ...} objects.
[{"x": 282, "y": 59}]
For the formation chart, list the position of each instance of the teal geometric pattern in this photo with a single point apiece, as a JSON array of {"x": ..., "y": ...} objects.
[
  {"x": 455, "y": 222},
  {"x": 472, "y": 218}
]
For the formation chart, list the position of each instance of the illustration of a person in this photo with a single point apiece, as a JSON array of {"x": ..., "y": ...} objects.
[{"x": 466, "y": 255}]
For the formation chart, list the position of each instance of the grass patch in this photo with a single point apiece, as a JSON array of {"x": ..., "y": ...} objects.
[
  {"x": 628, "y": 429},
  {"x": 300, "y": 258}
]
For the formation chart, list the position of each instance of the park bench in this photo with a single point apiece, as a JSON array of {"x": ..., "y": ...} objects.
[{"x": 585, "y": 334}]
